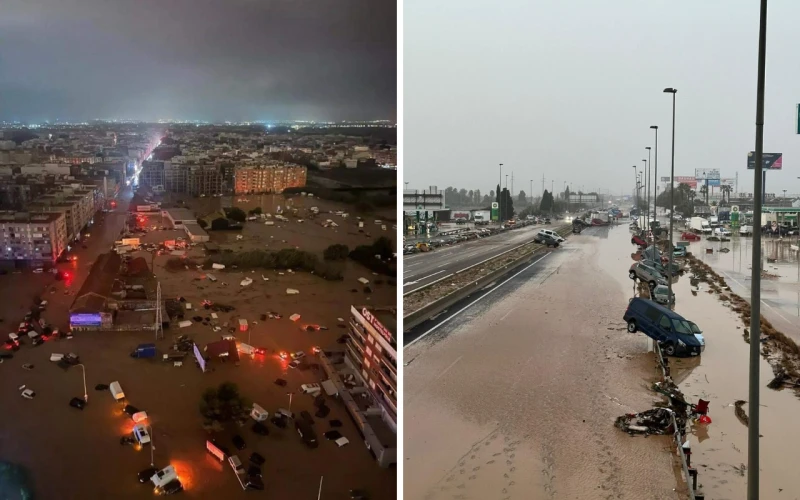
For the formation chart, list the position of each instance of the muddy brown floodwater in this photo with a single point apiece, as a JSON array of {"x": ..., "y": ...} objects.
[
  {"x": 515, "y": 398},
  {"x": 720, "y": 375},
  {"x": 72, "y": 454}
]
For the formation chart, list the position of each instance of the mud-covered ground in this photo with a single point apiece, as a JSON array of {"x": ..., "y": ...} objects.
[
  {"x": 76, "y": 454},
  {"x": 516, "y": 396}
]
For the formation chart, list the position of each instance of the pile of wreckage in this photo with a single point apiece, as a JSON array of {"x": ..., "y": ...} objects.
[{"x": 662, "y": 420}]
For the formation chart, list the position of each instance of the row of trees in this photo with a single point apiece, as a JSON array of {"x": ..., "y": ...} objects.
[
  {"x": 462, "y": 198},
  {"x": 686, "y": 198}
]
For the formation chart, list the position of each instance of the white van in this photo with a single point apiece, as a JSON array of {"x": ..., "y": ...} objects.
[
  {"x": 116, "y": 391},
  {"x": 258, "y": 413},
  {"x": 552, "y": 234}
]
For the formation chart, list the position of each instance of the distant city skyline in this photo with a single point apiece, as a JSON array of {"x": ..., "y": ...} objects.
[{"x": 216, "y": 60}]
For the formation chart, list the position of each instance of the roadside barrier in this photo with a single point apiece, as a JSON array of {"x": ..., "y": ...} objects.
[{"x": 420, "y": 315}]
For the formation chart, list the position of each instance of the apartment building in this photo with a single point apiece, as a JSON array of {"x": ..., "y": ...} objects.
[
  {"x": 269, "y": 178},
  {"x": 180, "y": 178},
  {"x": 372, "y": 352},
  {"x": 78, "y": 206},
  {"x": 32, "y": 238}
]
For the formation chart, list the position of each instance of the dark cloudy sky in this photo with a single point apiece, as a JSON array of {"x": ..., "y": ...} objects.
[{"x": 198, "y": 59}]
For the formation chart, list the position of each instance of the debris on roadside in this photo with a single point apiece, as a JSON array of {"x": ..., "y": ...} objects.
[
  {"x": 292, "y": 291},
  {"x": 740, "y": 413},
  {"x": 294, "y": 317},
  {"x": 654, "y": 421}
]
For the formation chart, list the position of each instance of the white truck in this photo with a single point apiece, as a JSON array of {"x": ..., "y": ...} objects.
[
  {"x": 713, "y": 221},
  {"x": 699, "y": 225},
  {"x": 745, "y": 230}
]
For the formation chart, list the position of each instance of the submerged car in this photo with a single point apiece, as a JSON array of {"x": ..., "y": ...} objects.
[
  {"x": 672, "y": 331},
  {"x": 661, "y": 295}
]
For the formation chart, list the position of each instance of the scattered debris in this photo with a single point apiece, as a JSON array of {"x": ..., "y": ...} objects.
[
  {"x": 294, "y": 317},
  {"x": 246, "y": 282},
  {"x": 740, "y": 413},
  {"x": 292, "y": 291}
]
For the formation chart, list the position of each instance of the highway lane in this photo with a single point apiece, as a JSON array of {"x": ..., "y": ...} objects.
[
  {"x": 423, "y": 268},
  {"x": 513, "y": 393}
]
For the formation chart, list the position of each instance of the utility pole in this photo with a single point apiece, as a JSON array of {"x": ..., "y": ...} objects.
[
  {"x": 755, "y": 279},
  {"x": 512, "y": 184},
  {"x": 500, "y": 198}
]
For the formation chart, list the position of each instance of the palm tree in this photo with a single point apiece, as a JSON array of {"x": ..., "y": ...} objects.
[
  {"x": 726, "y": 190},
  {"x": 704, "y": 192}
]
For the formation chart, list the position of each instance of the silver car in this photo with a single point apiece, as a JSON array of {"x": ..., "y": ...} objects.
[{"x": 646, "y": 274}]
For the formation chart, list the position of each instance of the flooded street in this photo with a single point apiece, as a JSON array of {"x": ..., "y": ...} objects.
[
  {"x": 720, "y": 375},
  {"x": 60, "y": 452},
  {"x": 780, "y": 288},
  {"x": 516, "y": 396}
]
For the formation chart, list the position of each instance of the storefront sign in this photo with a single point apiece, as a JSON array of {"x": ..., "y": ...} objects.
[{"x": 376, "y": 324}]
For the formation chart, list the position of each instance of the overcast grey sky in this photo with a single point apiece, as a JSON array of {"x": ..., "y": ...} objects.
[
  {"x": 198, "y": 59},
  {"x": 569, "y": 89}
]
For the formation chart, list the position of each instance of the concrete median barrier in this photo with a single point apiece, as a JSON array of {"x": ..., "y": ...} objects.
[{"x": 419, "y": 315}]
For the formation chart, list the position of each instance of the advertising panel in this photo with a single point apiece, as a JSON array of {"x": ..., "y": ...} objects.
[
  {"x": 710, "y": 174},
  {"x": 683, "y": 179},
  {"x": 728, "y": 182},
  {"x": 495, "y": 210},
  {"x": 85, "y": 319},
  {"x": 200, "y": 359},
  {"x": 376, "y": 324},
  {"x": 460, "y": 215},
  {"x": 771, "y": 161}
]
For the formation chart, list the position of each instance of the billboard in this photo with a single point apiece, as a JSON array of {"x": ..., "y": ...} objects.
[
  {"x": 771, "y": 161},
  {"x": 94, "y": 319},
  {"x": 495, "y": 211},
  {"x": 711, "y": 174},
  {"x": 200, "y": 358},
  {"x": 683, "y": 179}
]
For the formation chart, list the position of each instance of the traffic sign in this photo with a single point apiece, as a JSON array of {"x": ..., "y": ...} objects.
[{"x": 735, "y": 208}]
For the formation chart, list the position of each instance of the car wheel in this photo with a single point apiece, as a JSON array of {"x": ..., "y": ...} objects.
[
  {"x": 652, "y": 284},
  {"x": 632, "y": 326},
  {"x": 669, "y": 349},
  {"x": 632, "y": 275}
]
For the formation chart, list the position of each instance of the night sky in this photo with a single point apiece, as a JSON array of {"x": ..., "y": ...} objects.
[{"x": 198, "y": 59}]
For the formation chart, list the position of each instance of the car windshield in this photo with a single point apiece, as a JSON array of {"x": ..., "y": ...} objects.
[
  {"x": 694, "y": 327},
  {"x": 682, "y": 326}
]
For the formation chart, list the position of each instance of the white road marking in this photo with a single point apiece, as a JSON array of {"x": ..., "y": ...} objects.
[
  {"x": 762, "y": 301},
  {"x": 448, "y": 368},
  {"x": 475, "y": 301},
  {"x": 505, "y": 315}
]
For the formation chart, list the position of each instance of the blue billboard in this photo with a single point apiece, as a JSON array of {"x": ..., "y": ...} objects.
[{"x": 93, "y": 319}]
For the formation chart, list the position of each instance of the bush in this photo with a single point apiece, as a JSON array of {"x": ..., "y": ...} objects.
[
  {"x": 336, "y": 252},
  {"x": 236, "y": 213},
  {"x": 255, "y": 211},
  {"x": 288, "y": 258},
  {"x": 223, "y": 403},
  {"x": 384, "y": 263}
]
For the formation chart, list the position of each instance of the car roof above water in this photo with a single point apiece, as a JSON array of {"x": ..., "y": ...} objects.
[{"x": 640, "y": 303}]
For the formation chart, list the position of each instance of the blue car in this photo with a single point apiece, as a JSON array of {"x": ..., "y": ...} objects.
[{"x": 673, "y": 332}]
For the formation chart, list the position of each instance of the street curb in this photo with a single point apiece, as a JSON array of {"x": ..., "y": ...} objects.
[{"x": 421, "y": 315}]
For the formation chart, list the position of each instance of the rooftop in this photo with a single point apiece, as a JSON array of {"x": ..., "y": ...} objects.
[
  {"x": 181, "y": 214},
  {"x": 101, "y": 278}
]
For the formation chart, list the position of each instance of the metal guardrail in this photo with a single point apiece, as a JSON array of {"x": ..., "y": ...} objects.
[
  {"x": 420, "y": 315},
  {"x": 423, "y": 287},
  {"x": 677, "y": 434}
]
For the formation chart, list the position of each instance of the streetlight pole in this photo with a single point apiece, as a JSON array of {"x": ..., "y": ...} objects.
[
  {"x": 636, "y": 189},
  {"x": 646, "y": 191},
  {"x": 655, "y": 174},
  {"x": 85, "y": 392},
  {"x": 652, "y": 181},
  {"x": 531, "y": 193},
  {"x": 152, "y": 445},
  {"x": 672, "y": 191},
  {"x": 755, "y": 279},
  {"x": 319, "y": 495}
]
